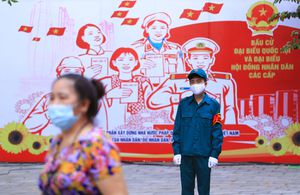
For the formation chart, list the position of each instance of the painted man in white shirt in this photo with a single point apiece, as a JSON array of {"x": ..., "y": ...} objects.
[{"x": 200, "y": 53}]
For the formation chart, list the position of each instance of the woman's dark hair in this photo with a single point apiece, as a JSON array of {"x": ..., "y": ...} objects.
[{"x": 92, "y": 90}]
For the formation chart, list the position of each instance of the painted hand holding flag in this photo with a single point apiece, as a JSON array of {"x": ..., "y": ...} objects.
[{"x": 57, "y": 31}]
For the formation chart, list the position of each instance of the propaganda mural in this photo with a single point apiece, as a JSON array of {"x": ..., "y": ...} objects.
[{"x": 142, "y": 52}]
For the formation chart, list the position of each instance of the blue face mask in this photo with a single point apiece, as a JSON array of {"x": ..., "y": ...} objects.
[{"x": 62, "y": 116}]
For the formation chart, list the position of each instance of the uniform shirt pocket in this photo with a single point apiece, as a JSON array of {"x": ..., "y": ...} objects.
[
  {"x": 205, "y": 118},
  {"x": 187, "y": 118}
]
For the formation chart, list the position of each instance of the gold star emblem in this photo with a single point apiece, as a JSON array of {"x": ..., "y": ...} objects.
[
  {"x": 127, "y": 4},
  {"x": 200, "y": 45},
  {"x": 129, "y": 21},
  {"x": 262, "y": 12},
  {"x": 119, "y": 14},
  {"x": 55, "y": 31},
  {"x": 190, "y": 14},
  {"x": 211, "y": 8},
  {"x": 25, "y": 28}
]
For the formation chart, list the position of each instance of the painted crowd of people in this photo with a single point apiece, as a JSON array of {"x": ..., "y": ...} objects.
[{"x": 148, "y": 74}]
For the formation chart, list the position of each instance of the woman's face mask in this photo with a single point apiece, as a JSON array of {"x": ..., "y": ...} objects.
[
  {"x": 62, "y": 116},
  {"x": 61, "y": 108}
]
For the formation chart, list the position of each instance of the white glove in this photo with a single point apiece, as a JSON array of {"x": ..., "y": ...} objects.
[
  {"x": 212, "y": 162},
  {"x": 177, "y": 159}
]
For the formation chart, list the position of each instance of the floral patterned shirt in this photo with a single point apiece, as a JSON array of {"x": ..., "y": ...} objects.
[{"x": 77, "y": 168}]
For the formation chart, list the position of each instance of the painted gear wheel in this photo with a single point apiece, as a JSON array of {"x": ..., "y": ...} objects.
[
  {"x": 261, "y": 141},
  {"x": 34, "y": 97},
  {"x": 36, "y": 145},
  {"x": 293, "y": 137},
  {"x": 278, "y": 146},
  {"x": 13, "y": 137},
  {"x": 22, "y": 106}
]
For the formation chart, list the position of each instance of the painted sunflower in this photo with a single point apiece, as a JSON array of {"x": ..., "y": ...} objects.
[
  {"x": 36, "y": 144},
  {"x": 278, "y": 146},
  {"x": 261, "y": 141},
  {"x": 293, "y": 135},
  {"x": 13, "y": 137}
]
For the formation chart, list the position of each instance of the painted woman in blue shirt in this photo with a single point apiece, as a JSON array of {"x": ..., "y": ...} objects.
[{"x": 159, "y": 57}]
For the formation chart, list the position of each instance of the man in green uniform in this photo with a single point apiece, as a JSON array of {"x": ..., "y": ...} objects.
[{"x": 197, "y": 135}]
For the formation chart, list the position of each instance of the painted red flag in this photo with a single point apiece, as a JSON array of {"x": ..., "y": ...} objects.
[
  {"x": 26, "y": 29},
  {"x": 119, "y": 14},
  {"x": 130, "y": 21},
  {"x": 127, "y": 4},
  {"x": 190, "y": 14},
  {"x": 36, "y": 39},
  {"x": 57, "y": 31},
  {"x": 213, "y": 8}
]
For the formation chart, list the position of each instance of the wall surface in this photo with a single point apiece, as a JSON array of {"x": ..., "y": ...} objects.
[{"x": 256, "y": 84}]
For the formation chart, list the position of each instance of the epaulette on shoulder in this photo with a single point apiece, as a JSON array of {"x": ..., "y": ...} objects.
[
  {"x": 221, "y": 75},
  {"x": 179, "y": 76}
]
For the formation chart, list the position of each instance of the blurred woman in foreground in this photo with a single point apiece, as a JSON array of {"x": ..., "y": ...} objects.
[{"x": 81, "y": 160}]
